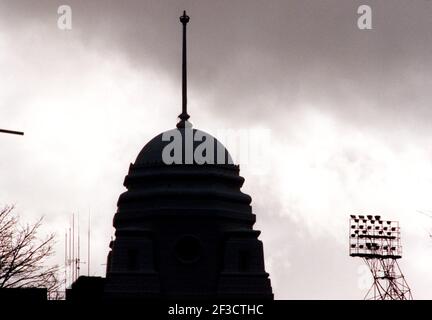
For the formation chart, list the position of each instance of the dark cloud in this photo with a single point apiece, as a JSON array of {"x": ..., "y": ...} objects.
[
  {"x": 255, "y": 62},
  {"x": 247, "y": 54}
]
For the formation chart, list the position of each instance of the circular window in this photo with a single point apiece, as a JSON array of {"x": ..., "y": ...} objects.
[{"x": 188, "y": 249}]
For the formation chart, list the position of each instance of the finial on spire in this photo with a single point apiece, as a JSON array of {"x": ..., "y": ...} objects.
[{"x": 184, "y": 19}]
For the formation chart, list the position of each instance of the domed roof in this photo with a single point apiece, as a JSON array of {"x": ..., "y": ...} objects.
[{"x": 183, "y": 146}]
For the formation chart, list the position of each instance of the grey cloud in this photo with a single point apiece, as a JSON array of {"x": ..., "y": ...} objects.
[
  {"x": 245, "y": 54},
  {"x": 260, "y": 62}
]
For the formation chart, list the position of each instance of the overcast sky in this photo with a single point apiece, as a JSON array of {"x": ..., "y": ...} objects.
[{"x": 347, "y": 111}]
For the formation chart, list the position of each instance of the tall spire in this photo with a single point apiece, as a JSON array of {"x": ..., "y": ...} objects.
[{"x": 184, "y": 19}]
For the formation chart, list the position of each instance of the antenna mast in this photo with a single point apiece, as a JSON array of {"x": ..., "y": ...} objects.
[
  {"x": 66, "y": 259},
  {"x": 73, "y": 247},
  {"x": 88, "y": 245},
  {"x": 77, "y": 262}
]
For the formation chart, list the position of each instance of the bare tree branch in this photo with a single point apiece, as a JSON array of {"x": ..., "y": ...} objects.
[{"x": 23, "y": 255}]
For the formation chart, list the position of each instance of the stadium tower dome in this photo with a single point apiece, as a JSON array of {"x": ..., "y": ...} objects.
[{"x": 184, "y": 229}]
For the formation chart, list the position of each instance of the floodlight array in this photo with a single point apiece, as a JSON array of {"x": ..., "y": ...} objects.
[{"x": 372, "y": 237}]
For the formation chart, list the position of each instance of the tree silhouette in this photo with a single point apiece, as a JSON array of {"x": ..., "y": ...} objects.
[{"x": 23, "y": 255}]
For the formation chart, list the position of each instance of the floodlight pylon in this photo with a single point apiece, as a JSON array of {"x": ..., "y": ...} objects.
[{"x": 379, "y": 245}]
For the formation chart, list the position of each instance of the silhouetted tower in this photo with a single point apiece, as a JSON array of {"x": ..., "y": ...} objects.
[
  {"x": 185, "y": 229},
  {"x": 378, "y": 242}
]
